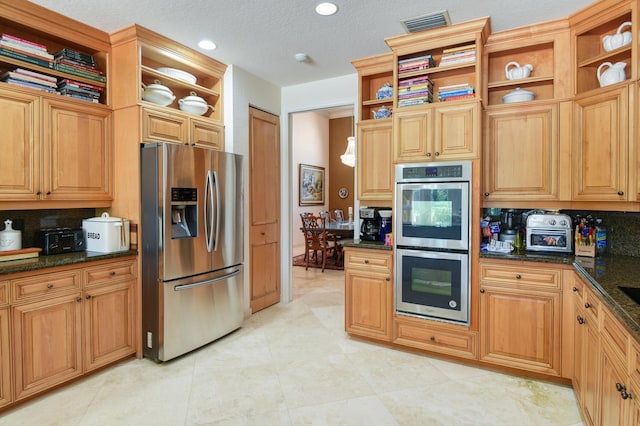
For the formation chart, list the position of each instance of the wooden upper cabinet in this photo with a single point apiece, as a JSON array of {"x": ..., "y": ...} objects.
[
  {"x": 77, "y": 152},
  {"x": 375, "y": 168},
  {"x": 521, "y": 153},
  {"x": 600, "y": 144},
  {"x": 373, "y": 73}
]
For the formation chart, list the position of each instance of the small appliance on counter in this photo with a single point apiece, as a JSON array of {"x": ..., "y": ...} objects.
[
  {"x": 370, "y": 223},
  {"x": 385, "y": 224},
  {"x": 550, "y": 232},
  {"x": 106, "y": 234},
  {"x": 60, "y": 240}
]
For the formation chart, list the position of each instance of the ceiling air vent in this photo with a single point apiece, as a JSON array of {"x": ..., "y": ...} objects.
[{"x": 426, "y": 22}]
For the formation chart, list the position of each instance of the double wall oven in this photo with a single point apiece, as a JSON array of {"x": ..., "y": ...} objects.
[{"x": 432, "y": 240}]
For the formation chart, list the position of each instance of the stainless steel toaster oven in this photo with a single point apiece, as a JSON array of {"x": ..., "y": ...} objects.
[{"x": 551, "y": 232}]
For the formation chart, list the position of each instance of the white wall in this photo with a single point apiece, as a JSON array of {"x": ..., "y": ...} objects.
[
  {"x": 309, "y": 145},
  {"x": 242, "y": 89}
]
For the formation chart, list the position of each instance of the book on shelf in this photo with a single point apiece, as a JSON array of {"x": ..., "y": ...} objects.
[
  {"x": 17, "y": 76},
  {"x": 35, "y": 74},
  {"x": 458, "y": 97},
  {"x": 29, "y": 84},
  {"x": 454, "y": 86},
  {"x": 415, "y": 58},
  {"x": 454, "y": 61},
  {"x": 80, "y": 72},
  {"x": 29, "y": 43},
  {"x": 79, "y": 90},
  {"x": 414, "y": 88},
  {"x": 62, "y": 82},
  {"x": 26, "y": 49},
  {"x": 84, "y": 98},
  {"x": 459, "y": 48},
  {"x": 447, "y": 95},
  {"x": 416, "y": 95},
  {"x": 79, "y": 65},
  {"x": 456, "y": 91},
  {"x": 75, "y": 55},
  {"x": 12, "y": 53},
  {"x": 412, "y": 102},
  {"x": 416, "y": 80}
]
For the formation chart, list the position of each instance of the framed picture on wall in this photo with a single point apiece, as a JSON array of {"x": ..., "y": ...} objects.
[{"x": 311, "y": 185}]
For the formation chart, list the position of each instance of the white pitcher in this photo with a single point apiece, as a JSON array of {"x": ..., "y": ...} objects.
[
  {"x": 614, "y": 74},
  {"x": 517, "y": 72},
  {"x": 617, "y": 40}
]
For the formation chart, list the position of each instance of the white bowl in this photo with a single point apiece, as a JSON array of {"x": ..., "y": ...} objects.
[
  {"x": 178, "y": 74},
  {"x": 194, "y": 104},
  {"x": 518, "y": 95}
]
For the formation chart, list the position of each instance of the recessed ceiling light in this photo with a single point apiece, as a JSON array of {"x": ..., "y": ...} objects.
[
  {"x": 326, "y": 9},
  {"x": 206, "y": 44}
]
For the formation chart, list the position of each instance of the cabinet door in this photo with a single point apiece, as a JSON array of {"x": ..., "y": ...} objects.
[
  {"x": 412, "y": 137},
  {"x": 457, "y": 131},
  {"x": 375, "y": 169},
  {"x": 616, "y": 405},
  {"x": 108, "y": 322},
  {"x": 206, "y": 133},
  {"x": 520, "y": 329},
  {"x": 586, "y": 362},
  {"x": 521, "y": 153},
  {"x": 20, "y": 159},
  {"x": 77, "y": 152},
  {"x": 600, "y": 147},
  {"x": 159, "y": 126},
  {"x": 46, "y": 344},
  {"x": 5, "y": 358},
  {"x": 368, "y": 303}
]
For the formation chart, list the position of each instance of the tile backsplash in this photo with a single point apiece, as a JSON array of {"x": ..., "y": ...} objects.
[{"x": 30, "y": 221}]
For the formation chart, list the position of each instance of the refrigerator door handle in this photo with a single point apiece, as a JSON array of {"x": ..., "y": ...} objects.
[
  {"x": 206, "y": 282},
  {"x": 217, "y": 210},
  {"x": 208, "y": 211}
]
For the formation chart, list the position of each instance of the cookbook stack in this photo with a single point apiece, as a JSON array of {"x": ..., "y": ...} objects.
[
  {"x": 32, "y": 79},
  {"x": 415, "y": 91},
  {"x": 458, "y": 55},
  {"x": 25, "y": 50},
  {"x": 81, "y": 65},
  {"x": 455, "y": 91}
]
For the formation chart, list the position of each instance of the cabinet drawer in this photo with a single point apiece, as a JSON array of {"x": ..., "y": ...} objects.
[
  {"x": 591, "y": 305},
  {"x": 615, "y": 335},
  {"x": 634, "y": 361},
  {"x": 578, "y": 289},
  {"x": 54, "y": 284},
  {"x": 5, "y": 296},
  {"x": 369, "y": 259},
  {"x": 113, "y": 272},
  {"x": 435, "y": 339},
  {"x": 520, "y": 276}
]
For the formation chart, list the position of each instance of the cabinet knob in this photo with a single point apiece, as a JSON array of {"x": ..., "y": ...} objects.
[
  {"x": 619, "y": 387},
  {"x": 50, "y": 285},
  {"x": 486, "y": 194},
  {"x": 88, "y": 296},
  {"x": 580, "y": 320},
  {"x": 432, "y": 338},
  {"x": 621, "y": 193},
  {"x": 437, "y": 154},
  {"x": 38, "y": 192},
  {"x": 518, "y": 276},
  {"x": 575, "y": 289},
  {"x": 428, "y": 154},
  {"x": 388, "y": 279},
  {"x": 79, "y": 299},
  {"x": 366, "y": 261},
  {"x": 624, "y": 394},
  {"x": 112, "y": 273},
  {"x": 482, "y": 290},
  {"x": 587, "y": 305}
]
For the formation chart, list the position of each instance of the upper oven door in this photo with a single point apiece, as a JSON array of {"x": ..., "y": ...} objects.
[{"x": 433, "y": 215}]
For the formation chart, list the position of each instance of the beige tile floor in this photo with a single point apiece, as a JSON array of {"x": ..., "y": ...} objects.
[{"x": 292, "y": 364}]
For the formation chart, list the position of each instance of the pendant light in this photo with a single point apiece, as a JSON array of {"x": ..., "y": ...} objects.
[{"x": 349, "y": 156}]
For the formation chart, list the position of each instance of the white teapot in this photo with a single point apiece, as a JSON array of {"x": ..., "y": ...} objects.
[
  {"x": 614, "y": 74},
  {"x": 617, "y": 40},
  {"x": 517, "y": 71}
]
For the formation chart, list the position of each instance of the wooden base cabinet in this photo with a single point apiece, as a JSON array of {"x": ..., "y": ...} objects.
[
  {"x": 520, "y": 317},
  {"x": 368, "y": 293},
  {"x": 66, "y": 323}
]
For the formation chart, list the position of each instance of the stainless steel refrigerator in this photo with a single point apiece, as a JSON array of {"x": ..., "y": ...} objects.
[{"x": 192, "y": 247}]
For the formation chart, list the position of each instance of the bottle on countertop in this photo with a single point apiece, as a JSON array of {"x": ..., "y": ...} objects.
[{"x": 601, "y": 237}]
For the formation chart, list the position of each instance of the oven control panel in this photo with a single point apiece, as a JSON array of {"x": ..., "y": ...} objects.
[{"x": 441, "y": 171}]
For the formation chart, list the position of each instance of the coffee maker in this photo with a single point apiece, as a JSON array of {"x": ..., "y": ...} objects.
[{"x": 370, "y": 223}]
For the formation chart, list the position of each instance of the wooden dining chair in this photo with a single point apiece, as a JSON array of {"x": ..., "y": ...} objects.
[{"x": 316, "y": 240}]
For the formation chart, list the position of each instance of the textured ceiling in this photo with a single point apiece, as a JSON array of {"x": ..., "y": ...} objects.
[{"x": 262, "y": 37}]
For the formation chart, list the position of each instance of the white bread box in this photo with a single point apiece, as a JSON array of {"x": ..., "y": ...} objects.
[{"x": 106, "y": 234}]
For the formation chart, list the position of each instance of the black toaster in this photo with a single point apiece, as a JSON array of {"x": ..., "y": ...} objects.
[{"x": 60, "y": 240}]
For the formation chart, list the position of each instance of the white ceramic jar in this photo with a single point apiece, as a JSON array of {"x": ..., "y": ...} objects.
[{"x": 10, "y": 239}]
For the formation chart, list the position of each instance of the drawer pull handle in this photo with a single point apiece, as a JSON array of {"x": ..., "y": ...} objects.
[
  {"x": 486, "y": 194},
  {"x": 428, "y": 154},
  {"x": 388, "y": 279},
  {"x": 88, "y": 296},
  {"x": 575, "y": 289},
  {"x": 621, "y": 193},
  {"x": 79, "y": 299},
  {"x": 587, "y": 305},
  {"x": 518, "y": 276},
  {"x": 625, "y": 395},
  {"x": 112, "y": 273},
  {"x": 50, "y": 285},
  {"x": 432, "y": 338},
  {"x": 580, "y": 320},
  {"x": 482, "y": 290},
  {"x": 619, "y": 387}
]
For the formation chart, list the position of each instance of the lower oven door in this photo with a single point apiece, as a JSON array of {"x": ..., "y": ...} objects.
[{"x": 433, "y": 284}]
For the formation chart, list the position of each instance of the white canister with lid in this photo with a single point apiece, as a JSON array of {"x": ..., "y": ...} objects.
[
  {"x": 10, "y": 239},
  {"x": 106, "y": 234}
]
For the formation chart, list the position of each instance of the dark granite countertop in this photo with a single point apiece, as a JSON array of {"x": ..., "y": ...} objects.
[
  {"x": 604, "y": 274},
  {"x": 51, "y": 261},
  {"x": 375, "y": 245}
]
